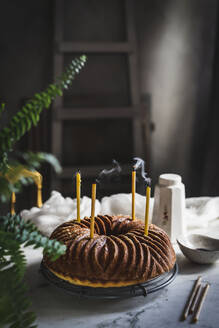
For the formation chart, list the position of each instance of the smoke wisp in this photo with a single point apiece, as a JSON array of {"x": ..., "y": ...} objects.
[{"x": 140, "y": 164}]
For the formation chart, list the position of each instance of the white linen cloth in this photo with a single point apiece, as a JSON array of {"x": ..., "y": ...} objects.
[
  {"x": 57, "y": 210},
  {"x": 201, "y": 214}
]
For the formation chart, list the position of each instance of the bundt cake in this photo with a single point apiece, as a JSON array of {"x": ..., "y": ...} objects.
[{"x": 118, "y": 255}]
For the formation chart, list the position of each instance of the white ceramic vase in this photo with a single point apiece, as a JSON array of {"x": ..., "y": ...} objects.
[{"x": 169, "y": 205}]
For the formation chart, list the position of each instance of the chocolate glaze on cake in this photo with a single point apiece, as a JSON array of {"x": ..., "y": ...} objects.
[{"x": 118, "y": 255}]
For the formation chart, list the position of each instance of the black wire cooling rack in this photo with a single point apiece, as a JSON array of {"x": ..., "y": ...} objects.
[{"x": 143, "y": 289}]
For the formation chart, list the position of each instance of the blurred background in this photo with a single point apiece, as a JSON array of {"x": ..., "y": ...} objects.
[{"x": 149, "y": 88}]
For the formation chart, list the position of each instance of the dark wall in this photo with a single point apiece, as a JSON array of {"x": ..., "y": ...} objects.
[
  {"x": 177, "y": 44},
  {"x": 26, "y": 34},
  {"x": 26, "y": 31},
  {"x": 210, "y": 179},
  {"x": 176, "y": 41}
]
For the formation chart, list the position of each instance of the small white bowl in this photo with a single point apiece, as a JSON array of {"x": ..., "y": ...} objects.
[{"x": 199, "y": 248}]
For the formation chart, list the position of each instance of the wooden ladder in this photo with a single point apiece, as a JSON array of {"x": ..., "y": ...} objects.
[{"x": 137, "y": 112}]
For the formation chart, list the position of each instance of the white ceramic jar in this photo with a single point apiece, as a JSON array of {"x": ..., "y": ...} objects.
[{"x": 169, "y": 205}]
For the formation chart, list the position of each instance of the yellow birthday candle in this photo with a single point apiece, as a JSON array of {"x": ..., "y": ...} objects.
[
  {"x": 147, "y": 207},
  {"x": 93, "y": 199}
]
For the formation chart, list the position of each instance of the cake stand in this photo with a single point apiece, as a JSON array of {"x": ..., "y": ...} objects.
[{"x": 142, "y": 289}]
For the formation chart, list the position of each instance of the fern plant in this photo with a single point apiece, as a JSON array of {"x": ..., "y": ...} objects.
[
  {"x": 14, "y": 232},
  {"x": 14, "y": 303},
  {"x": 22, "y": 122}
]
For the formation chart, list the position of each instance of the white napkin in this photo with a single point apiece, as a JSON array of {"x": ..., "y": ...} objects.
[
  {"x": 201, "y": 215},
  {"x": 122, "y": 204},
  {"x": 57, "y": 210}
]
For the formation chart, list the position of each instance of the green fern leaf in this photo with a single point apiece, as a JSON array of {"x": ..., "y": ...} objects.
[
  {"x": 27, "y": 234},
  {"x": 14, "y": 303},
  {"x": 30, "y": 112}
]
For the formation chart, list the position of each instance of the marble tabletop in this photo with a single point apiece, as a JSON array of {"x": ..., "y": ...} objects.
[{"x": 55, "y": 308}]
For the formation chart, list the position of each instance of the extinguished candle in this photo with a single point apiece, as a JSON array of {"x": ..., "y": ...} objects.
[
  {"x": 39, "y": 190},
  {"x": 93, "y": 199},
  {"x": 78, "y": 194},
  {"x": 147, "y": 207},
  {"x": 133, "y": 193},
  {"x": 38, "y": 179},
  {"x": 13, "y": 201}
]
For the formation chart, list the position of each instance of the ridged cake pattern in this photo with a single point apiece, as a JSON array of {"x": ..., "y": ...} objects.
[{"x": 119, "y": 253}]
